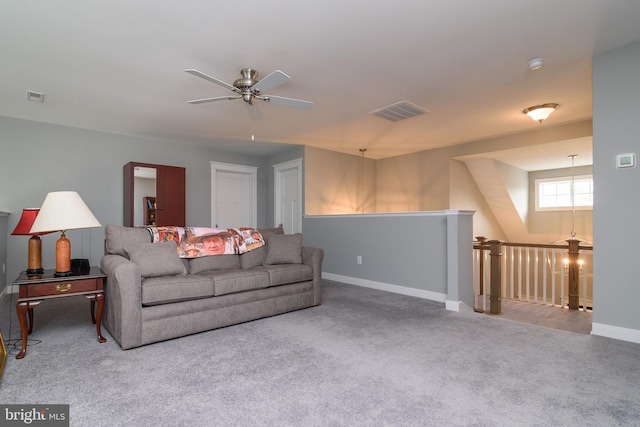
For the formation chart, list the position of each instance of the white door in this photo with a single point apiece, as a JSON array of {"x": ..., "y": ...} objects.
[
  {"x": 288, "y": 196},
  {"x": 233, "y": 195},
  {"x": 234, "y": 200}
]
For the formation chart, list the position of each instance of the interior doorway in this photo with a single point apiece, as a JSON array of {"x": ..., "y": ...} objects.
[
  {"x": 234, "y": 197},
  {"x": 288, "y": 195}
]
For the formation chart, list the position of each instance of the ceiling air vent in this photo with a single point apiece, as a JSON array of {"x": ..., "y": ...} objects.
[
  {"x": 399, "y": 111},
  {"x": 35, "y": 96}
]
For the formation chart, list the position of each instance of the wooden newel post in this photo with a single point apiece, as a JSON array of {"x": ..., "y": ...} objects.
[
  {"x": 481, "y": 241},
  {"x": 495, "y": 300},
  {"x": 574, "y": 274}
]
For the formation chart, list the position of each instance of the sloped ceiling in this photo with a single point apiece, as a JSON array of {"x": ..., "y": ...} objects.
[
  {"x": 494, "y": 189},
  {"x": 117, "y": 66},
  {"x": 553, "y": 155}
]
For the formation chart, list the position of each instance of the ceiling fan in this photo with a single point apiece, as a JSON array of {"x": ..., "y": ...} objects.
[{"x": 249, "y": 88}]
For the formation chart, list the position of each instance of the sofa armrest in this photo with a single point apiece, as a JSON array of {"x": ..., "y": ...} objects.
[
  {"x": 314, "y": 257},
  {"x": 123, "y": 294}
]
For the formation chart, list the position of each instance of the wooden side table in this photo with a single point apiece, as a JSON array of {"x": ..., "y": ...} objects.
[{"x": 35, "y": 289}]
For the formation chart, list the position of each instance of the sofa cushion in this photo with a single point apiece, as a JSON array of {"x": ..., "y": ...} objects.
[
  {"x": 284, "y": 249},
  {"x": 156, "y": 259},
  {"x": 268, "y": 231},
  {"x": 233, "y": 281},
  {"x": 214, "y": 262},
  {"x": 160, "y": 290},
  {"x": 284, "y": 274},
  {"x": 117, "y": 237},
  {"x": 254, "y": 258}
]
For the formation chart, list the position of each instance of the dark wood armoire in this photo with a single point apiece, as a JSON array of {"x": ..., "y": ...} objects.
[{"x": 170, "y": 199}]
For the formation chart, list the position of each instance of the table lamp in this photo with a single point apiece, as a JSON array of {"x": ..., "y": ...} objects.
[
  {"x": 34, "y": 266},
  {"x": 62, "y": 211}
]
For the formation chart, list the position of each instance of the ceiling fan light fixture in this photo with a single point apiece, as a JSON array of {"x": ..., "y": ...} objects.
[
  {"x": 247, "y": 96},
  {"x": 539, "y": 113}
]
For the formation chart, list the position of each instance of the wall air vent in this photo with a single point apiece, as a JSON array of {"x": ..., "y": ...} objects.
[
  {"x": 399, "y": 111},
  {"x": 35, "y": 96}
]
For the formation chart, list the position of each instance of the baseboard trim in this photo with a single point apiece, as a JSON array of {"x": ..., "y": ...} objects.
[
  {"x": 453, "y": 305},
  {"x": 9, "y": 289},
  {"x": 616, "y": 332},
  {"x": 396, "y": 289}
]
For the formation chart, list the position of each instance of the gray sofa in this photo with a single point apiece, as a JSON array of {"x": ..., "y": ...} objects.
[{"x": 152, "y": 295}]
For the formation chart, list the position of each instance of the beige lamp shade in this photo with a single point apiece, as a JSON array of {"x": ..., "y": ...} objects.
[{"x": 63, "y": 210}]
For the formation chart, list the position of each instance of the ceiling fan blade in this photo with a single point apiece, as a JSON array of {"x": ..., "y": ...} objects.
[
  {"x": 272, "y": 80},
  {"x": 289, "y": 102},
  {"x": 217, "y": 98},
  {"x": 211, "y": 79}
]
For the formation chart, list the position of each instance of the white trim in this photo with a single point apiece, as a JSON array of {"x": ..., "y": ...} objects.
[
  {"x": 453, "y": 305},
  {"x": 616, "y": 332},
  {"x": 278, "y": 170},
  {"x": 396, "y": 289},
  {"x": 9, "y": 290},
  {"x": 457, "y": 306},
  {"x": 252, "y": 171},
  {"x": 295, "y": 163},
  {"x": 459, "y": 212}
]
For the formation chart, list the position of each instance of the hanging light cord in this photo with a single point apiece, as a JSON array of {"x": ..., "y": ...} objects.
[
  {"x": 362, "y": 150},
  {"x": 573, "y": 202}
]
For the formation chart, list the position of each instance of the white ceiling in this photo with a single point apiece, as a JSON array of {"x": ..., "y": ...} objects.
[{"x": 118, "y": 66}]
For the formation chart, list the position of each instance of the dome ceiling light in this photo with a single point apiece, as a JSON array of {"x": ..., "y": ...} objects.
[
  {"x": 536, "y": 63},
  {"x": 541, "y": 112}
]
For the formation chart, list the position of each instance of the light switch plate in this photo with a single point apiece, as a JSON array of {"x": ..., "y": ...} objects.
[{"x": 627, "y": 160}]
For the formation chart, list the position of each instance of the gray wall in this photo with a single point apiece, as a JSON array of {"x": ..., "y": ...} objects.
[
  {"x": 4, "y": 232},
  {"x": 389, "y": 248},
  {"x": 428, "y": 251},
  {"x": 616, "y": 130},
  {"x": 36, "y": 158}
]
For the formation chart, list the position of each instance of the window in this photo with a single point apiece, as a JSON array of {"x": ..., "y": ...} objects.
[{"x": 554, "y": 194}]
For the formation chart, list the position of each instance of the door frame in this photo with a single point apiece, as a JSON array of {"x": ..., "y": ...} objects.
[
  {"x": 251, "y": 171},
  {"x": 278, "y": 171}
]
